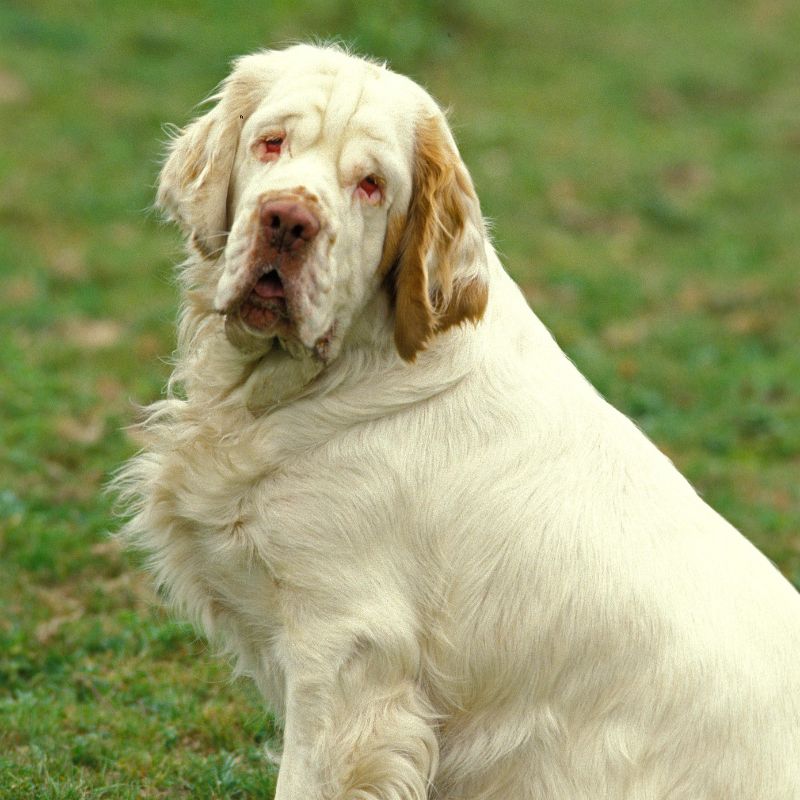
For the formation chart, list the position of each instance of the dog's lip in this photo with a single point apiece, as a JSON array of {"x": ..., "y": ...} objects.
[
  {"x": 263, "y": 306},
  {"x": 264, "y": 288},
  {"x": 269, "y": 285}
]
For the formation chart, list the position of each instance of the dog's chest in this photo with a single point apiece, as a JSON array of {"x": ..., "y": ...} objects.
[{"x": 210, "y": 527}]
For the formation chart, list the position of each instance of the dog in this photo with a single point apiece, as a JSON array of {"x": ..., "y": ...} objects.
[{"x": 450, "y": 567}]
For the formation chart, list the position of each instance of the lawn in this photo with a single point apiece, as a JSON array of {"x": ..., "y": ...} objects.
[{"x": 641, "y": 165}]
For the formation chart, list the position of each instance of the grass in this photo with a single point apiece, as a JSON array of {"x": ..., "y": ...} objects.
[{"x": 642, "y": 164}]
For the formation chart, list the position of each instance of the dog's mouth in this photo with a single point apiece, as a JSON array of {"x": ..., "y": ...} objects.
[
  {"x": 268, "y": 310},
  {"x": 265, "y": 304}
]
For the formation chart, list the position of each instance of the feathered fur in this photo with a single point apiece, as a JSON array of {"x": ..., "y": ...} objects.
[{"x": 451, "y": 568}]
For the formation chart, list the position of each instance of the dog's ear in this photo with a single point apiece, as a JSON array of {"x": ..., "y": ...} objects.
[
  {"x": 436, "y": 255},
  {"x": 193, "y": 184}
]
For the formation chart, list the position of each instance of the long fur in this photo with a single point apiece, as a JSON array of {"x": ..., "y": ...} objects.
[{"x": 450, "y": 567}]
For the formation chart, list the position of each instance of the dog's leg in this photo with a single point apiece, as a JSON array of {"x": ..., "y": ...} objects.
[{"x": 356, "y": 733}]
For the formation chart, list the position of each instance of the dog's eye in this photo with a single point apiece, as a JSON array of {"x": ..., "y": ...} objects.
[
  {"x": 269, "y": 148},
  {"x": 370, "y": 189}
]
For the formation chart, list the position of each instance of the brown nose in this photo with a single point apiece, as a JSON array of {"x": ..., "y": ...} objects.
[{"x": 288, "y": 224}]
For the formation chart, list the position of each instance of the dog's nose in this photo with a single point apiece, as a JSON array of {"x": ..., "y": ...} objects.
[{"x": 288, "y": 224}]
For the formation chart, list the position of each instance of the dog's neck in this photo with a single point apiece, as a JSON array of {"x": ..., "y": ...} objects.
[
  {"x": 219, "y": 379},
  {"x": 254, "y": 399}
]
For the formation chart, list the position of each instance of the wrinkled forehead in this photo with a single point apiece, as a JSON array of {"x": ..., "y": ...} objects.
[{"x": 339, "y": 102}]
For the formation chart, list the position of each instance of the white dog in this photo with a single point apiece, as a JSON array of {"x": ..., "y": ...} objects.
[{"x": 450, "y": 567}]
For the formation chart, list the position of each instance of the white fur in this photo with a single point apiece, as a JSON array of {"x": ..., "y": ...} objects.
[{"x": 462, "y": 577}]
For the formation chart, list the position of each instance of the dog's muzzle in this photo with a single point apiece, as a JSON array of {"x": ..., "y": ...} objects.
[{"x": 263, "y": 287}]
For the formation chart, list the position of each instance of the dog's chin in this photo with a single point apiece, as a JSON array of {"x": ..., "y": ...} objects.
[
  {"x": 254, "y": 331},
  {"x": 260, "y": 317},
  {"x": 266, "y": 315}
]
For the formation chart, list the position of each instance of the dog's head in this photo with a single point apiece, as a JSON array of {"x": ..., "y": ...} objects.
[{"x": 318, "y": 181}]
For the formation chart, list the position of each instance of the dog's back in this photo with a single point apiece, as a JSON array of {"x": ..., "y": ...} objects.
[{"x": 596, "y": 629}]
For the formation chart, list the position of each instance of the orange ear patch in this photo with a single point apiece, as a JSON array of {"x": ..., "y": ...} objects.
[
  {"x": 395, "y": 230},
  {"x": 468, "y": 303},
  {"x": 414, "y": 316},
  {"x": 443, "y": 235}
]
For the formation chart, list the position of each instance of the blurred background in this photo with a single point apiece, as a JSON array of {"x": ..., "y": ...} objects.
[{"x": 641, "y": 165}]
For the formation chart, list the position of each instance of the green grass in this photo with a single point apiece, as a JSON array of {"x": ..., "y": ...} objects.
[{"x": 642, "y": 164}]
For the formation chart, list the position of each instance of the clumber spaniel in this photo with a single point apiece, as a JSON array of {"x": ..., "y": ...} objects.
[{"x": 450, "y": 567}]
